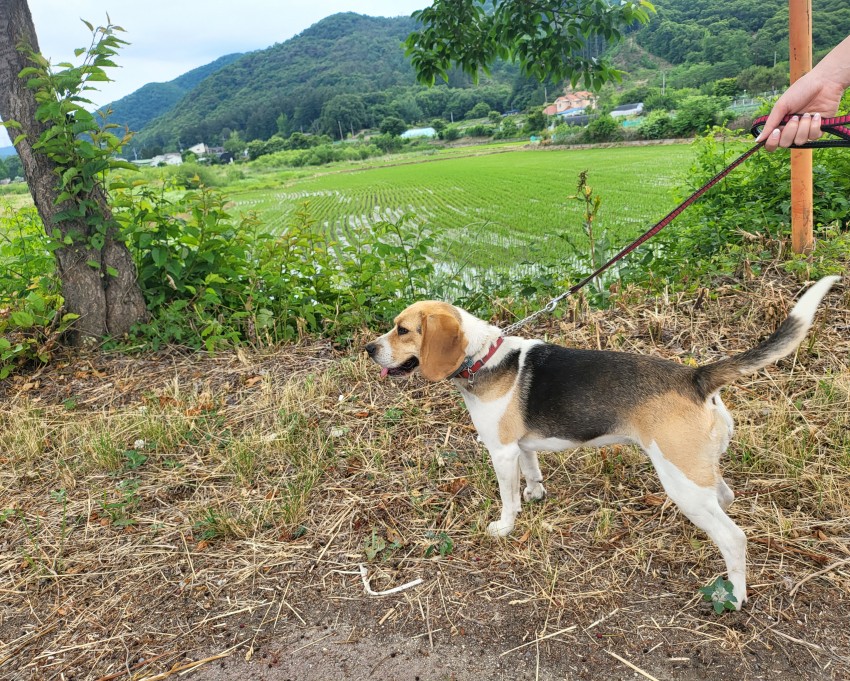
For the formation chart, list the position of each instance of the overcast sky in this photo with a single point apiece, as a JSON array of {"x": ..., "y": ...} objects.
[{"x": 169, "y": 38}]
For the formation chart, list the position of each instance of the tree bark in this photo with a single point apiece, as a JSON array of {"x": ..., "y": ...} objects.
[{"x": 107, "y": 305}]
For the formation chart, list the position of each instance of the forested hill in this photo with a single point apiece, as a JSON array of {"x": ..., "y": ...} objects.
[
  {"x": 341, "y": 56},
  {"x": 139, "y": 108},
  {"x": 736, "y": 33}
]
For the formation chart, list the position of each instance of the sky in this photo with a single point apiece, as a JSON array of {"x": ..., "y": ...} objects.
[{"x": 169, "y": 38}]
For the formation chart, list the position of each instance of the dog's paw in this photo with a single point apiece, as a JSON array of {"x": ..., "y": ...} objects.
[
  {"x": 499, "y": 528},
  {"x": 534, "y": 492}
]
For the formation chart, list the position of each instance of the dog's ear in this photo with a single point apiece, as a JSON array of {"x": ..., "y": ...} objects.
[{"x": 443, "y": 344}]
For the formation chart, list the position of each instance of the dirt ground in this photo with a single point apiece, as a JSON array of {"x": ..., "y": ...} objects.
[
  {"x": 599, "y": 581},
  {"x": 649, "y": 638}
]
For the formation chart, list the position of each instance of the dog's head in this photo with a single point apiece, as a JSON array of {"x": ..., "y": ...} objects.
[{"x": 427, "y": 335}]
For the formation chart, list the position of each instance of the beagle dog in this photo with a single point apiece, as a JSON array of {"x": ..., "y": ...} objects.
[{"x": 527, "y": 395}]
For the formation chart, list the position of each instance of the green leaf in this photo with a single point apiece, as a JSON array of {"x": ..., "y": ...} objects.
[{"x": 22, "y": 319}]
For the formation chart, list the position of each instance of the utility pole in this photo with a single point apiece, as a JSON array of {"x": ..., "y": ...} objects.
[{"x": 800, "y": 44}]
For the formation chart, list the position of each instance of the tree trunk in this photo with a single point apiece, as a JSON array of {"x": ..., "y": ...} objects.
[{"x": 107, "y": 305}]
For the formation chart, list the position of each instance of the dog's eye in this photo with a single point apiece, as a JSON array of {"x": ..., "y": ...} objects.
[{"x": 402, "y": 331}]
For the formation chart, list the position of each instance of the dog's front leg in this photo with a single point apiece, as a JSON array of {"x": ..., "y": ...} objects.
[{"x": 506, "y": 464}]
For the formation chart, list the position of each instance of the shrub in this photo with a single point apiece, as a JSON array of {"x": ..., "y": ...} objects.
[
  {"x": 450, "y": 133},
  {"x": 31, "y": 318},
  {"x": 508, "y": 129},
  {"x": 211, "y": 279},
  {"x": 479, "y": 130},
  {"x": 393, "y": 126},
  {"x": 657, "y": 125},
  {"x": 480, "y": 110},
  {"x": 566, "y": 134},
  {"x": 603, "y": 129},
  {"x": 697, "y": 113},
  {"x": 711, "y": 234}
]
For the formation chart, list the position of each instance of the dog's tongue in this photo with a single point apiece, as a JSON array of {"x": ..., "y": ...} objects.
[{"x": 384, "y": 372}]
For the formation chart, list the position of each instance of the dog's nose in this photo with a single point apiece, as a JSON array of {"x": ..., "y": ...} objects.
[{"x": 371, "y": 349}]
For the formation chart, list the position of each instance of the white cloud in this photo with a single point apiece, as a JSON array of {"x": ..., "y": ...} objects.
[{"x": 167, "y": 39}]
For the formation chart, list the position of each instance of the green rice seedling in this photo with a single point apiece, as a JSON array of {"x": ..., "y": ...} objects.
[{"x": 502, "y": 207}]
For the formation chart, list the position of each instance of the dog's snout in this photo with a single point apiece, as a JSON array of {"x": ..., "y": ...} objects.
[{"x": 371, "y": 349}]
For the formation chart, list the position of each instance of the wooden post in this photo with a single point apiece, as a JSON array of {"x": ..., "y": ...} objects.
[{"x": 800, "y": 44}]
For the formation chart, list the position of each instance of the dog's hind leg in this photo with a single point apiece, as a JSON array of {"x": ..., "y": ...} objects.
[
  {"x": 702, "y": 506},
  {"x": 725, "y": 496},
  {"x": 534, "y": 489},
  {"x": 505, "y": 460}
]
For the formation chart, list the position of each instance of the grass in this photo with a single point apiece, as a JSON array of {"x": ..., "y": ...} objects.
[{"x": 179, "y": 497}]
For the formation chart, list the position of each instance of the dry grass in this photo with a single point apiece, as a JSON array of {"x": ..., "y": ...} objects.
[{"x": 153, "y": 508}]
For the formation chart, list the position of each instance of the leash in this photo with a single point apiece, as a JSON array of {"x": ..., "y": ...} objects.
[{"x": 838, "y": 126}]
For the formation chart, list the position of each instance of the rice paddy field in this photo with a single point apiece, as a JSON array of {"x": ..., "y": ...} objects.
[{"x": 491, "y": 208}]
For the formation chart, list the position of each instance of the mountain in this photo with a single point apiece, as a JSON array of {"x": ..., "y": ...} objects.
[
  {"x": 344, "y": 54},
  {"x": 735, "y": 34},
  {"x": 7, "y": 151},
  {"x": 154, "y": 99}
]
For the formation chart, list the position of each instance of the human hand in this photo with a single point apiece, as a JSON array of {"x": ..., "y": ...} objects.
[{"x": 815, "y": 97}]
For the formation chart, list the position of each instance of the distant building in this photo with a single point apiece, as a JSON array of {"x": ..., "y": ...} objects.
[
  {"x": 200, "y": 149},
  {"x": 571, "y": 100},
  {"x": 418, "y": 132},
  {"x": 578, "y": 111},
  {"x": 169, "y": 159},
  {"x": 627, "y": 110}
]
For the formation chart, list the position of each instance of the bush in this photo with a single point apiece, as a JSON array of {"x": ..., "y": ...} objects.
[
  {"x": 534, "y": 122},
  {"x": 326, "y": 153},
  {"x": 193, "y": 175},
  {"x": 508, "y": 129},
  {"x": 603, "y": 129},
  {"x": 656, "y": 126},
  {"x": 31, "y": 317},
  {"x": 480, "y": 110},
  {"x": 566, "y": 134},
  {"x": 697, "y": 113},
  {"x": 450, "y": 133},
  {"x": 479, "y": 130},
  {"x": 710, "y": 236},
  {"x": 393, "y": 126},
  {"x": 210, "y": 279}
]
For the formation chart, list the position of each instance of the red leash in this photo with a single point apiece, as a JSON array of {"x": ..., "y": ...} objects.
[{"x": 838, "y": 126}]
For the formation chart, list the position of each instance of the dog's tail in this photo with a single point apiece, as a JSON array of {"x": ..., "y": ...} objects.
[{"x": 783, "y": 341}]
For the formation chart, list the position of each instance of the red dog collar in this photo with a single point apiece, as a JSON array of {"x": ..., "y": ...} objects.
[{"x": 468, "y": 371}]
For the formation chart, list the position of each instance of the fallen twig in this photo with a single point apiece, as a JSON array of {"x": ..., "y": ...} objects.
[
  {"x": 828, "y": 568},
  {"x": 631, "y": 666}
]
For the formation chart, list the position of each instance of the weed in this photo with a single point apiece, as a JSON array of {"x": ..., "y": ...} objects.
[
  {"x": 440, "y": 543},
  {"x": 242, "y": 458},
  {"x": 214, "y": 525},
  {"x": 376, "y": 545},
  {"x": 720, "y": 595},
  {"x": 393, "y": 415},
  {"x": 135, "y": 459},
  {"x": 120, "y": 512},
  {"x": 108, "y": 455}
]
